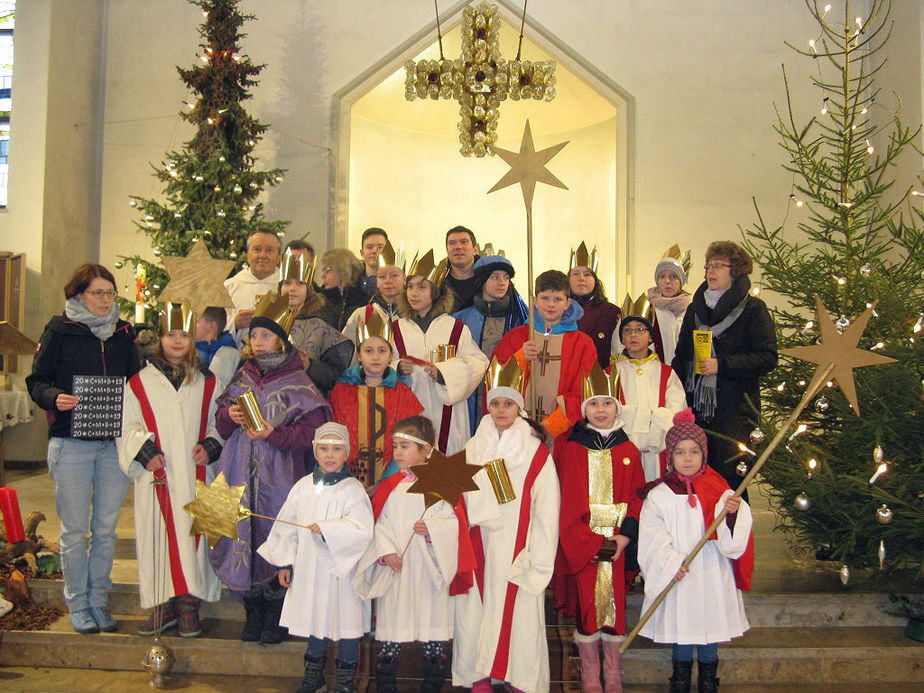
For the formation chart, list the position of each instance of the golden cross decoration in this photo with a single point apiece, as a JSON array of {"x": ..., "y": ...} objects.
[{"x": 480, "y": 79}]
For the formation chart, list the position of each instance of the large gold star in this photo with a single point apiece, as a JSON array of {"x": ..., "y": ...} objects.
[
  {"x": 216, "y": 510},
  {"x": 527, "y": 167},
  {"x": 197, "y": 279},
  {"x": 444, "y": 478},
  {"x": 839, "y": 348}
]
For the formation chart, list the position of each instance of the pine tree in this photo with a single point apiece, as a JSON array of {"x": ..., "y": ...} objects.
[
  {"x": 858, "y": 240},
  {"x": 210, "y": 187}
]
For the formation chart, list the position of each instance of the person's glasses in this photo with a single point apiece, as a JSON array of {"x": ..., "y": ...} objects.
[
  {"x": 635, "y": 330},
  {"x": 715, "y": 265},
  {"x": 99, "y": 294}
]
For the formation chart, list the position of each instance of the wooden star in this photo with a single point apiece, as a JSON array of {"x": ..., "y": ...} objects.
[
  {"x": 197, "y": 279},
  {"x": 444, "y": 478},
  {"x": 527, "y": 167},
  {"x": 216, "y": 510},
  {"x": 839, "y": 348}
]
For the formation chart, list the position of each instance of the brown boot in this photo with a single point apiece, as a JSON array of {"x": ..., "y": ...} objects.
[
  {"x": 612, "y": 666},
  {"x": 590, "y": 666},
  {"x": 187, "y": 607}
]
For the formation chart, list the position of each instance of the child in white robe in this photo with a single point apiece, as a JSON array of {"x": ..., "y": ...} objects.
[
  {"x": 500, "y": 630},
  {"x": 317, "y": 559},
  {"x": 706, "y": 606},
  {"x": 168, "y": 440},
  {"x": 410, "y": 564}
]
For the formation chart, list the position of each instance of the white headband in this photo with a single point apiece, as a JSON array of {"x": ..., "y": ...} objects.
[{"x": 413, "y": 439}]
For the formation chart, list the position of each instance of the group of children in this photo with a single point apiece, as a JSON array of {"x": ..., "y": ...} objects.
[{"x": 603, "y": 486}]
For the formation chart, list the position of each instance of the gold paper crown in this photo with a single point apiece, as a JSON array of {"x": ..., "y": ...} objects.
[
  {"x": 178, "y": 316},
  {"x": 581, "y": 258},
  {"x": 641, "y": 307},
  {"x": 598, "y": 384},
  {"x": 297, "y": 267},
  {"x": 507, "y": 375},
  {"x": 389, "y": 256},
  {"x": 426, "y": 268},
  {"x": 375, "y": 326},
  {"x": 682, "y": 257},
  {"x": 275, "y": 308},
  {"x": 488, "y": 249}
]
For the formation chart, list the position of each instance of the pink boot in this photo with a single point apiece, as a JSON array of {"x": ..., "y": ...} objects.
[
  {"x": 612, "y": 666},
  {"x": 590, "y": 666}
]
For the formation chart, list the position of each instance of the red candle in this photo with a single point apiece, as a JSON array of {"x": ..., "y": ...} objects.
[{"x": 9, "y": 504}]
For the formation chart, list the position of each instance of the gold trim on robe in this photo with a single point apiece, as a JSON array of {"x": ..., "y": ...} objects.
[
  {"x": 605, "y": 518},
  {"x": 370, "y": 433}
]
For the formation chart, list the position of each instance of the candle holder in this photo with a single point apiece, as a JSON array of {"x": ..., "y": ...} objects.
[
  {"x": 500, "y": 481},
  {"x": 442, "y": 352},
  {"x": 252, "y": 414}
]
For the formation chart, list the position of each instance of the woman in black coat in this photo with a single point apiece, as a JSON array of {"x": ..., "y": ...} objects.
[{"x": 743, "y": 349}]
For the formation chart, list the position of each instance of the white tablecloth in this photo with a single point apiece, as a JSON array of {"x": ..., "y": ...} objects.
[{"x": 15, "y": 407}]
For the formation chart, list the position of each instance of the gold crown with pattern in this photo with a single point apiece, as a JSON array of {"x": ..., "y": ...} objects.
[
  {"x": 276, "y": 308},
  {"x": 297, "y": 267},
  {"x": 178, "y": 316},
  {"x": 389, "y": 256},
  {"x": 428, "y": 268},
  {"x": 581, "y": 258},
  {"x": 375, "y": 326},
  {"x": 506, "y": 375},
  {"x": 598, "y": 383}
]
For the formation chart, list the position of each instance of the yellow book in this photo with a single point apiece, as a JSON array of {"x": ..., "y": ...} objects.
[{"x": 702, "y": 347}]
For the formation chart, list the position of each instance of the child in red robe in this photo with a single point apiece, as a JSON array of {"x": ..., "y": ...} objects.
[{"x": 600, "y": 471}]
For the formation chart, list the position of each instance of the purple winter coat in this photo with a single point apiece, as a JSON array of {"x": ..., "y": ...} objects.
[
  {"x": 295, "y": 408},
  {"x": 598, "y": 322}
]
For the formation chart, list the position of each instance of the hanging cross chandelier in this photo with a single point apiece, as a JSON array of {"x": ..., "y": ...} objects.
[{"x": 480, "y": 79}]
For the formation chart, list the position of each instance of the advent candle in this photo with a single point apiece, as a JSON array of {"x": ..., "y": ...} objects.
[
  {"x": 141, "y": 277},
  {"x": 9, "y": 504}
]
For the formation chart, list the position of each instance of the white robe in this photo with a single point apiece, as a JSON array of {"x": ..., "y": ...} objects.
[
  {"x": 321, "y": 600},
  {"x": 705, "y": 606},
  {"x": 244, "y": 288},
  {"x": 669, "y": 326},
  {"x": 646, "y": 423},
  {"x": 413, "y": 604},
  {"x": 478, "y": 617},
  {"x": 461, "y": 375},
  {"x": 224, "y": 364},
  {"x": 178, "y": 414}
]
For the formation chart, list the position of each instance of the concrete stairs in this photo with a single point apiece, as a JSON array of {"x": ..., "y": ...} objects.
[{"x": 796, "y": 640}]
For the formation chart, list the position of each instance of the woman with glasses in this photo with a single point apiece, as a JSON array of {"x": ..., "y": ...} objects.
[
  {"x": 87, "y": 339},
  {"x": 340, "y": 271},
  {"x": 735, "y": 345}
]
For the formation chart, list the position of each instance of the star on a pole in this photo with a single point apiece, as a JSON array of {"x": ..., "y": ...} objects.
[
  {"x": 444, "y": 478},
  {"x": 527, "y": 167},
  {"x": 197, "y": 279},
  {"x": 216, "y": 510},
  {"x": 839, "y": 348}
]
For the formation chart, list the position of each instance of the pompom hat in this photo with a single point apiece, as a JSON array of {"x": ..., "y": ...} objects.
[{"x": 684, "y": 428}]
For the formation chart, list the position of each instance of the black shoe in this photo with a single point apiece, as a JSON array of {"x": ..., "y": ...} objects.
[
  {"x": 705, "y": 678},
  {"x": 255, "y": 606},
  {"x": 682, "y": 677},
  {"x": 434, "y": 674},
  {"x": 385, "y": 670},
  {"x": 346, "y": 677},
  {"x": 314, "y": 675},
  {"x": 273, "y": 633}
]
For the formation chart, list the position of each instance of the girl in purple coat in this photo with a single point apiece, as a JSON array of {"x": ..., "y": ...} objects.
[{"x": 267, "y": 463}]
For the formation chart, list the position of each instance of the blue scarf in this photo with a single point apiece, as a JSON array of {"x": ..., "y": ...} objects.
[
  {"x": 102, "y": 326},
  {"x": 568, "y": 322}
]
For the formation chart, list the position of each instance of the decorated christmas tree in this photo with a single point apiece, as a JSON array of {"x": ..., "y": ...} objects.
[
  {"x": 849, "y": 484},
  {"x": 211, "y": 189}
]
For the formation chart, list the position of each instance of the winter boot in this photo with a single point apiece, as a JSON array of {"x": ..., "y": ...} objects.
[
  {"x": 314, "y": 674},
  {"x": 273, "y": 633},
  {"x": 161, "y": 618},
  {"x": 385, "y": 670},
  {"x": 255, "y": 606},
  {"x": 612, "y": 666},
  {"x": 705, "y": 677},
  {"x": 187, "y": 608},
  {"x": 434, "y": 674},
  {"x": 681, "y": 679},
  {"x": 590, "y": 666},
  {"x": 346, "y": 676}
]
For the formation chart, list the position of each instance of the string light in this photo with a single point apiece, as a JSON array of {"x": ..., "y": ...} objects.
[
  {"x": 781, "y": 386},
  {"x": 755, "y": 291},
  {"x": 869, "y": 148},
  {"x": 800, "y": 429},
  {"x": 204, "y": 58},
  {"x": 840, "y": 280},
  {"x": 812, "y": 46},
  {"x": 827, "y": 9},
  {"x": 190, "y": 106},
  {"x": 744, "y": 448},
  {"x": 880, "y": 470},
  {"x": 877, "y": 345},
  {"x": 824, "y": 106},
  {"x": 801, "y": 383},
  {"x": 864, "y": 111},
  {"x": 919, "y": 325}
]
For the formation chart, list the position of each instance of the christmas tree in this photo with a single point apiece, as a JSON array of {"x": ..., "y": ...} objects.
[
  {"x": 210, "y": 187},
  {"x": 849, "y": 486}
]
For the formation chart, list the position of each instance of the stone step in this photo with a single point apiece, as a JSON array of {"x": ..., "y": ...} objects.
[
  {"x": 763, "y": 610},
  {"x": 773, "y": 655}
]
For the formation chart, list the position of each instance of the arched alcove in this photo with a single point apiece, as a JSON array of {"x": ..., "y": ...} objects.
[{"x": 398, "y": 164}]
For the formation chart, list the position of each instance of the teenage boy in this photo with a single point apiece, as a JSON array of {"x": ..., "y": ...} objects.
[
  {"x": 557, "y": 355},
  {"x": 216, "y": 347},
  {"x": 373, "y": 241}
]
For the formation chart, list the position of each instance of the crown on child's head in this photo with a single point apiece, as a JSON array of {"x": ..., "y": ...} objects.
[
  {"x": 640, "y": 307},
  {"x": 389, "y": 256},
  {"x": 375, "y": 326},
  {"x": 297, "y": 267},
  {"x": 683, "y": 257},
  {"x": 276, "y": 309},
  {"x": 581, "y": 258},
  {"x": 506, "y": 375},
  {"x": 178, "y": 316},
  {"x": 428, "y": 268},
  {"x": 599, "y": 383}
]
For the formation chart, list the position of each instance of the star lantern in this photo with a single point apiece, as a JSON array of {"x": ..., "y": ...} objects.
[
  {"x": 216, "y": 510},
  {"x": 197, "y": 279}
]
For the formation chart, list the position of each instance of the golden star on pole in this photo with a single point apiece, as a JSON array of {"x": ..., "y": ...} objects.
[
  {"x": 839, "y": 348},
  {"x": 197, "y": 279},
  {"x": 216, "y": 510},
  {"x": 444, "y": 478},
  {"x": 527, "y": 167}
]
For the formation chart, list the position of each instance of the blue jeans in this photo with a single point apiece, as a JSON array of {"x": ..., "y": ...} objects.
[
  {"x": 707, "y": 654},
  {"x": 347, "y": 649},
  {"x": 90, "y": 489}
]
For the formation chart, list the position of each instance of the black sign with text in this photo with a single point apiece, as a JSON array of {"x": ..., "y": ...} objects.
[{"x": 98, "y": 413}]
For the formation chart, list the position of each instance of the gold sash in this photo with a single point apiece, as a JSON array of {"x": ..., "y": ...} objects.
[
  {"x": 370, "y": 433},
  {"x": 605, "y": 518}
]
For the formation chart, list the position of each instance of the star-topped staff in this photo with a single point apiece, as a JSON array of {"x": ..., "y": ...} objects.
[
  {"x": 444, "y": 478},
  {"x": 836, "y": 354},
  {"x": 197, "y": 279}
]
